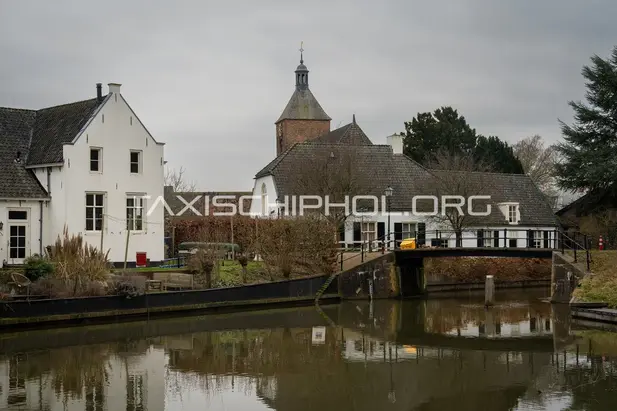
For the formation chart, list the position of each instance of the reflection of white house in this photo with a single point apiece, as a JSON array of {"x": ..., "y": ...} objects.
[
  {"x": 89, "y": 165},
  {"x": 520, "y": 215},
  {"x": 536, "y": 325},
  {"x": 134, "y": 383}
]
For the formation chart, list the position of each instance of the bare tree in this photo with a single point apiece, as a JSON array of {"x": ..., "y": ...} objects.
[
  {"x": 177, "y": 180},
  {"x": 335, "y": 174},
  {"x": 458, "y": 175},
  {"x": 538, "y": 162}
]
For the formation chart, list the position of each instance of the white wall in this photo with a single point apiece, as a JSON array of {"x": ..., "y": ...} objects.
[
  {"x": 117, "y": 131},
  {"x": 33, "y": 243},
  {"x": 256, "y": 204},
  {"x": 56, "y": 209}
]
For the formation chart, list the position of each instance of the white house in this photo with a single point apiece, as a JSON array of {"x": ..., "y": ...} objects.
[
  {"x": 91, "y": 166},
  {"x": 519, "y": 214}
]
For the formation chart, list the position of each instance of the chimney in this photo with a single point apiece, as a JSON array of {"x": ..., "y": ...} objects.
[
  {"x": 396, "y": 142},
  {"x": 114, "y": 88},
  {"x": 18, "y": 157},
  {"x": 99, "y": 92}
]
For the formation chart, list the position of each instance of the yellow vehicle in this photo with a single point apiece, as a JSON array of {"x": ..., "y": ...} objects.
[{"x": 408, "y": 244}]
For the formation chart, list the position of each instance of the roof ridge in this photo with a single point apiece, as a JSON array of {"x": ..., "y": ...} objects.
[
  {"x": 66, "y": 104},
  {"x": 321, "y": 143},
  {"x": 17, "y": 109}
]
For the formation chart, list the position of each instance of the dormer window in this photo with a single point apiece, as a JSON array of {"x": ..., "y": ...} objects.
[
  {"x": 512, "y": 213},
  {"x": 96, "y": 160}
]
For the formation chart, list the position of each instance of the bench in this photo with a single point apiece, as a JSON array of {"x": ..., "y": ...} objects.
[{"x": 176, "y": 281}]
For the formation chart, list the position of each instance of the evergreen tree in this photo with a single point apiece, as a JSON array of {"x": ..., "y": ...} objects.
[
  {"x": 497, "y": 155},
  {"x": 589, "y": 152},
  {"x": 430, "y": 134}
]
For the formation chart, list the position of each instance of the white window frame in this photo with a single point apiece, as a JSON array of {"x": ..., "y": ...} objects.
[
  {"x": 538, "y": 239},
  {"x": 99, "y": 160},
  {"x": 368, "y": 230},
  {"x": 139, "y": 203},
  {"x": 139, "y": 161},
  {"x": 94, "y": 207},
  {"x": 513, "y": 213},
  {"x": 264, "y": 199},
  {"x": 411, "y": 228}
]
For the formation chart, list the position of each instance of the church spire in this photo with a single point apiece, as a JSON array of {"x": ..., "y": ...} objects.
[{"x": 301, "y": 72}]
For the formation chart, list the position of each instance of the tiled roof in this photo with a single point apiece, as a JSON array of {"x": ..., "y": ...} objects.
[
  {"x": 533, "y": 206},
  {"x": 303, "y": 106},
  {"x": 55, "y": 126},
  {"x": 376, "y": 167},
  {"x": 177, "y": 205},
  {"x": 38, "y": 135},
  {"x": 350, "y": 134},
  {"x": 15, "y": 133}
]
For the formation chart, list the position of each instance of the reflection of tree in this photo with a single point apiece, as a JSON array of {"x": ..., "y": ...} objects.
[
  {"x": 593, "y": 388},
  {"x": 77, "y": 368}
]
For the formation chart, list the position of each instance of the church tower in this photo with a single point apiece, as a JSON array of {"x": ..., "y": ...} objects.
[{"x": 303, "y": 118}]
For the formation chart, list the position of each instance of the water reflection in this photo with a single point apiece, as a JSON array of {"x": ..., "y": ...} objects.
[{"x": 429, "y": 355}]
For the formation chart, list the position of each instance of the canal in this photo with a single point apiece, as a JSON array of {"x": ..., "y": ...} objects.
[{"x": 441, "y": 354}]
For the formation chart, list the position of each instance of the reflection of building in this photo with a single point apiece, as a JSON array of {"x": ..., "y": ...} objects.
[
  {"x": 491, "y": 326},
  {"x": 131, "y": 383}
]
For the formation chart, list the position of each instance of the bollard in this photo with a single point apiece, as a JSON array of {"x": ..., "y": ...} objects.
[{"x": 489, "y": 291}]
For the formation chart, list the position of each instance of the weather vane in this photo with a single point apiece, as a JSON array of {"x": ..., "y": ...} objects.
[{"x": 301, "y": 51}]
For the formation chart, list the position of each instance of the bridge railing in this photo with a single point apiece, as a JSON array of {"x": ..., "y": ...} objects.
[{"x": 578, "y": 244}]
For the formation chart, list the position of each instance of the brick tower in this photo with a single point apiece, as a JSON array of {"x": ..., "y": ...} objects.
[{"x": 303, "y": 118}]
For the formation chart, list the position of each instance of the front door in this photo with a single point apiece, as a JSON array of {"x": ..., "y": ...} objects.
[{"x": 18, "y": 241}]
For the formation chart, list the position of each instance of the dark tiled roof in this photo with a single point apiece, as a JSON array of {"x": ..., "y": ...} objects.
[
  {"x": 176, "y": 204},
  {"x": 55, "y": 126},
  {"x": 376, "y": 167},
  {"x": 350, "y": 134},
  {"x": 534, "y": 208},
  {"x": 303, "y": 106},
  {"x": 15, "y": 133},
  {"x": 38, "y": 135}
]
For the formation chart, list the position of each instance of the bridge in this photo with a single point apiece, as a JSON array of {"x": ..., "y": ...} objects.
[{"x": 404, "y": 255}]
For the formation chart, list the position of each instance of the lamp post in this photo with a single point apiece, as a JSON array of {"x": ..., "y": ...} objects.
[{"x": 389, "y": 191}]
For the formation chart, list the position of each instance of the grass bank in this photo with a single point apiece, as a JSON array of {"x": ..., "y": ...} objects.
[{"x": 601, "y": 286}]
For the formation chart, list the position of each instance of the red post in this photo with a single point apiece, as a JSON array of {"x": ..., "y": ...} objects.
[{"x": 601, "y": 243}]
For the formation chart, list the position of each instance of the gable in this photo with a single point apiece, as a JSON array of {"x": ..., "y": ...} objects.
[
  {"x": 55, "y": 126},
  {"x": 350, "y": 134}
]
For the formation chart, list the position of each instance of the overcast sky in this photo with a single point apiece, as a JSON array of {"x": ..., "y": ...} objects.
[{"x": 210, "y": 78}]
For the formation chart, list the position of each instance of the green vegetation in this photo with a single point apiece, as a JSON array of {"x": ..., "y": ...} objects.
[
  {"x": 445, "y": 131},
  {"x": 588, "y": 152},
  {"x": 37, "y": 266},
  {"x": 601, "y": 286}
]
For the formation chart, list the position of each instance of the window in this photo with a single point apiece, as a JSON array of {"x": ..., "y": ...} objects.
[
  {"x": 369, "y": 231},
  {"x": 409, "y": 230},
  {"x": 513, "y": 213},
  {"x": 135, "y": 162},
  {"x": 537, "y": 239},
  {"x": 135, "y": 213},
  {"x": 94, "y": 211},
  {"x": 264, "y": 199},
  {"x": 18, "y": 215},
  {"x": 96, "y": 159}
]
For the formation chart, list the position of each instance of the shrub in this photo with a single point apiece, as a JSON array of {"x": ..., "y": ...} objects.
[
  {"x": 77, "y": 263},
  {"x": 36, "y": 267},
  {"x": 202, "y": 263},
  {"x": 126, "y": 286}
]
